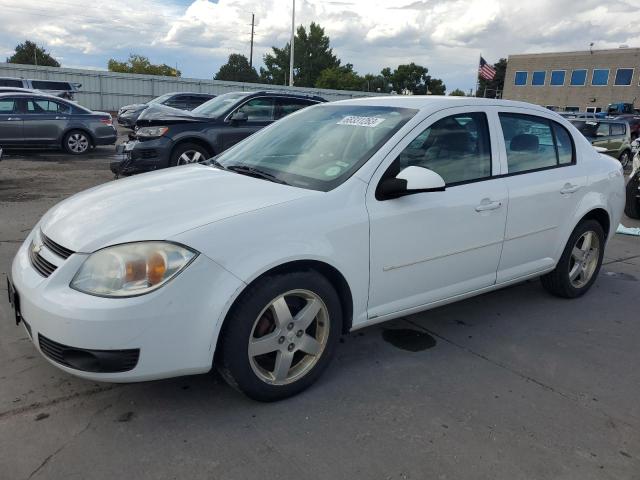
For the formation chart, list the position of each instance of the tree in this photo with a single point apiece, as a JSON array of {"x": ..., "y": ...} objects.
[
  {"x": 493, "y": 88},
  {"x": 457, "y": 93},
  {"x": 28, "y": 53},
  {"x": 312, "y": 55},
  {"x": 340, "y": 78},
  {"x": 141, "y": 64},
  {"x": 237, "y": 69},
  {"x": 413, "y": 79}
]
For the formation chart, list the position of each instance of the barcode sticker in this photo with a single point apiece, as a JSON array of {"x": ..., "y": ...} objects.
[{"x": 361, "y": 121}]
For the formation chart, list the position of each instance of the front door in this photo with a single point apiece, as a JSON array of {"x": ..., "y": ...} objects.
[
  {"x": 45, "y": 121},
  {"x": 432, "y": 246},
  {"x": 260, "y": 112},
  {"x": 10, "y": 123}
]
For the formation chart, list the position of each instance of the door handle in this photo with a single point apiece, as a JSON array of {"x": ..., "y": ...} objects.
[
  {"x": 61, "y": 118},
  {"x": 13, "y": 118},
  {"x": 487, "y": 204},
  {"x": 569, "y": 188}
]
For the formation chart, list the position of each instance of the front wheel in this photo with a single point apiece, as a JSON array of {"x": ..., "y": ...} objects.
[
  {"x": 188, "y": 153},
  {"x": 280, "y": 335},
  {"x": 580, "y": 262}
]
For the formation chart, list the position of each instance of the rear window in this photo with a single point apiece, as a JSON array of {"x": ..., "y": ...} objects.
[
  {"x": 10, "y": 82},
  {"x": 50, "y": 85}
]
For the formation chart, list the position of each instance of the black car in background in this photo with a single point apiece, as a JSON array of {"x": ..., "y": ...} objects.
[
  {"x": 128, "y": 115},
  {"x": 166, "y": 137},
  {"x": 30, "y": 120}
]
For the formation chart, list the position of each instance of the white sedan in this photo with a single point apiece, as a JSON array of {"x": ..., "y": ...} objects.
[{"x": 337, "y": 217}]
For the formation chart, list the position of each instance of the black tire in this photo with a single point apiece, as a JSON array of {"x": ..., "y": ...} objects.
[
  {"x": 184, "y": 151},
  {"x": 232, "y": 356},
  {"x": 77, "y": 142},
  {"x": 632, "y": 205},
  {"x": 625, "y": 159},
  {"x": 558, "y": 282}
]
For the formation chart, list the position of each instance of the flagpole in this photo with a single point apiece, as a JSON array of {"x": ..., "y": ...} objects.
[{"x": 478, "y": 74}]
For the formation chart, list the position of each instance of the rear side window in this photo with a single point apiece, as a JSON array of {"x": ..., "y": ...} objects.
[
  {"x": 534, "y": 143},
  {"x": 47, "y": 106},
  {"x": 456, "y": 147},
  {"x": 8, "y": 105},
  {"x": 618, "y": 129},
  {"x": 50, "y": 85},
  {"x": 290, "y": 105},
  {"x": 10, "y": 82}
]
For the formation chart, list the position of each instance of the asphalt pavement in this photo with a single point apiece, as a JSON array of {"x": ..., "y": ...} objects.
[{"x": 515, "y": 384}]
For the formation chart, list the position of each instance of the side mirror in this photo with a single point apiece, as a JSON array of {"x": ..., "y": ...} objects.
[
  {"x": 411, "y": 180},
  {"x": 238, "y": 117}
]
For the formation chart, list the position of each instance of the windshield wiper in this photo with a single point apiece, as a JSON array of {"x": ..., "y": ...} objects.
[{"x": 255, "y": 172}]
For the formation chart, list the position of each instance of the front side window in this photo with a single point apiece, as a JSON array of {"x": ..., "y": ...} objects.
[
  {"x": 531, "y": 142},
  {"x": 623, "y": 76},
  {"x": 456, "y": 147},
  {"x": 520, "y": 78},
  {"x": 8, "y": 105},
  {"x": 600, "y": 77},
  {"x": 578, "y": 78},
  {"x": 557, "y": 78},
  {"x": 259, "y": 110},
  {"x": 538, "y": 78},
  {"x": 318, "y": 147},
  {"x": 591, "y": 129}
]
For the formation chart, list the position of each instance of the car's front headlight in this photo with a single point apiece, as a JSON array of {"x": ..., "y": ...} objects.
[
  {"x": 151, "y": 132},
  {"x": 131, "y": 269}
]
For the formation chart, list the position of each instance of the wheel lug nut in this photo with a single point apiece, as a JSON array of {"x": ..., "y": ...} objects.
[
  {"x": 299, "y": 333},
  {"x": 281, "y": 340},
  {"x": 291, "y": 347},
  {"x": 290, "y": 326}
]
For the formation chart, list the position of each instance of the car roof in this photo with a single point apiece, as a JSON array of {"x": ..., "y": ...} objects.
[
  {"x": 438, "y": 102},
  {"x": 285, "y": 93},
  {"x": 30, "y": 93}
]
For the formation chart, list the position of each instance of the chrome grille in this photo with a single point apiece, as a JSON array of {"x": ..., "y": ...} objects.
[
  {"x": 55, "y": 247},
  {"x": 42, "y": 266}
]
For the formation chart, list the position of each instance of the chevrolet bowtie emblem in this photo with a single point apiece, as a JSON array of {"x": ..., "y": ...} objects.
[{"x": 36, "y": 248}]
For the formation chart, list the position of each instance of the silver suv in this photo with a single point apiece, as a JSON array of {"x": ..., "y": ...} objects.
[{"x": 62, "y": 89}]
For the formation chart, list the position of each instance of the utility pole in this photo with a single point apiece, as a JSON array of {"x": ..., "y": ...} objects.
[
  {"x": 253, "y": 18},
  {"x": 35, "y": 54},
  {"x": 293, "y": 34}
]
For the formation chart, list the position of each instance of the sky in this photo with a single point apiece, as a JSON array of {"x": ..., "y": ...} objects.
[{"x": 447, "y": 36}]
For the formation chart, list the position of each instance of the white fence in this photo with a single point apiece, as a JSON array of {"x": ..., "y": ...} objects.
[{"x": 102, "y": 90}]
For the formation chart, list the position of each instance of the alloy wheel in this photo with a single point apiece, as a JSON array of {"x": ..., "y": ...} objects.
[
  {"x": 624, "y": 159},
  {"x": 288, "y": 337},
  {"x": 190, "y": 156},
  {"x": 78, "y": 143},
  {"x": 584, "y": 259}
]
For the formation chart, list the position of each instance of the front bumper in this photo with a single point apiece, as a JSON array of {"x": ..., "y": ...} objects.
[
  {"x": 174, "y": 328},
  {"x": 145, "y": 156}
]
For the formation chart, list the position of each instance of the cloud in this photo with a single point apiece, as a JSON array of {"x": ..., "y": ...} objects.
[{"x": 446, "y": 36}]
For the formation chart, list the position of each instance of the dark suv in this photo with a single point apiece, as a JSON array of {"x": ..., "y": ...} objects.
[
  {"x": 128, "y": 115},
  {"x": 166, "y": 137}
]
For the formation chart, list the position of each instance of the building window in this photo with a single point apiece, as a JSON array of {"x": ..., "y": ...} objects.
[
  {"x": 557, "y": 78},
  {"x": 594, "y": 109},
  {"x": 571, "y": 109},
  {"x": 623, "y": 76},
  {"x": 578, "y": 78},
  {"x": 538, "y": 78},
  {"x": 521, "y": 78},
  {"x": 600, "y": 76}
]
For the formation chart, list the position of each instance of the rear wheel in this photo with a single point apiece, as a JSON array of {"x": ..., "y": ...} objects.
[
  {"x": 280, "y": 335},
  {"x": 580, "y": 262},
  {"x": 76, "y": 142},
  {"x": 187, "y": 153}
]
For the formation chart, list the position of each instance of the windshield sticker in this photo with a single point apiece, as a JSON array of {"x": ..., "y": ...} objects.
[
  {"x": 342, "y": 164},
  {"x": 332, "y": 171},
  {"x": 361, "y": 121}
]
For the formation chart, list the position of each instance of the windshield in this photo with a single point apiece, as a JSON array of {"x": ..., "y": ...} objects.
[
  {"x": 318, "y": 147},
  {"x": 160, "y": 99},
  {"x": 218, "y": 105}
]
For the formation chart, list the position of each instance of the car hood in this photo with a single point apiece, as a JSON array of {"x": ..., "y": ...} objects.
[
  {"x": 159, "y": 205},
  {"x": 163, "y": 115}
]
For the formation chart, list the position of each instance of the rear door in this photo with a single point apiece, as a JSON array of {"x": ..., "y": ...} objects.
[
  {"x": 45, "y": 120},
  {"x": 260, "y": 112},
  {"x": 11, "y": 124},
  {"x": 602, "y": 135},
  {"x": 545, "y": 185},
  {"x": 617, "y": 138}
]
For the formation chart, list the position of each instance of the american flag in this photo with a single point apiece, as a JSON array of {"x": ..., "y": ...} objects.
[{"x": 485, "y": 70}]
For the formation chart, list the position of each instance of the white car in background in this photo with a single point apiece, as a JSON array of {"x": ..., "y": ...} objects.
[{"x": 337, "y": 217}]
